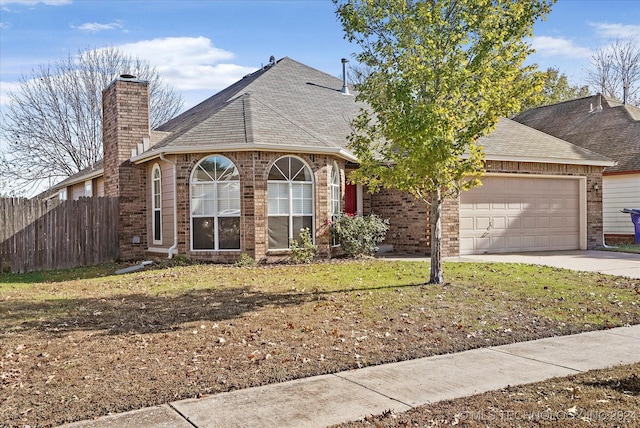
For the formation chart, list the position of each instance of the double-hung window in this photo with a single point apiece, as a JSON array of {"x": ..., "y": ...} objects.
[
  {"x": 156, "y": 203},
  {"x": 334, "y": 197},
  {"x": 290, "y": 201},
  {"x": 215, "y": 205}
]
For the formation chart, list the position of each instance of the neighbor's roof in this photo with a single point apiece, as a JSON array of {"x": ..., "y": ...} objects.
[
  {"x": 613, "y": 130},
  {"x": 89, "y": 173},
  {"x": 286, "y": 106},
  {"x": 514, "y": 141}
]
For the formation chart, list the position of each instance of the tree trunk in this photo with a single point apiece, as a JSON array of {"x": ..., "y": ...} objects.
[{"x": 437, "y": 276}]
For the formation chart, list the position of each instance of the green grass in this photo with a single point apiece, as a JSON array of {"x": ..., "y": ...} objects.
[
  {"x": 552, "y": 293},
  {"x": 628, "y": 248},
  {"x": 311, "y": 319}
]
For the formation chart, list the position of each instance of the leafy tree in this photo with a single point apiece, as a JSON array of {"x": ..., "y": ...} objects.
[
  {"x": 53, "y": 124},
  {"x": 615, "y": 71},
  {"x": 442, "y": 73},
  {"x": 556, "y": 89}
]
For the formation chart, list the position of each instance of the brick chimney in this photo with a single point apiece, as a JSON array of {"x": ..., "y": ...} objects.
[{"x": 125, "y": 122}]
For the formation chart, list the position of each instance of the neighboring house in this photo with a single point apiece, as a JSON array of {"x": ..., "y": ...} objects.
[
  {"x": 88, "y": 182},
  {"x": 246, "y": 169},
  {"x": 608, "y": 127}
]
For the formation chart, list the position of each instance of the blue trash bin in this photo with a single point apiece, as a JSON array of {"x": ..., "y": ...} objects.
[{"x": 635, "y": 219}]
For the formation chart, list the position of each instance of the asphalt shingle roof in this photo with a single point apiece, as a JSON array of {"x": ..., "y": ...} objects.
[
  {"x": 287, "y": 104},
  {"x": 294, "y": 106},
  {"x": 613, "y": 130},
  {"x": 513, "y": 140},
  {"x": 291, "y": 104}
]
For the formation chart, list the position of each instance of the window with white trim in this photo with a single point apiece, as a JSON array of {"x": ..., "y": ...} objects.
[
  {"x": 88, "y": 188},
  {"x": 62, "y": 195},
  {"x": 290, "y": 201},
  {"x": 334, "y": 197},
  {"x": 156, "y": 203},
  {"x": 215, "y": 205}
]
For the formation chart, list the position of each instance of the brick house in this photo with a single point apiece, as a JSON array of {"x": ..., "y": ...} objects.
[
  {"x": 244, "y": 170},
  {"x": 608, "y": 127}
]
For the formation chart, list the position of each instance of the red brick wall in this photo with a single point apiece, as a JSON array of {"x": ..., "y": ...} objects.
[
  {"x": 409, "y": 230},
  {"x": 125, "y": 123},
  {"x": 253, "y": 168}
]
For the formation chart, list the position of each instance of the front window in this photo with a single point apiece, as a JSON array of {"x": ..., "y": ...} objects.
[
  {"x": 334, "y": 189},
  {"x": 156, "y": 202},
  {"x": 290, "y": 201},
  {"x": 215, "y": 205}
]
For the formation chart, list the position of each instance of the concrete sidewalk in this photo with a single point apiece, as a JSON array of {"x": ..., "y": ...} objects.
[
  {"x": 330, "y": 399},
  {"x": 607, "y": 262}
]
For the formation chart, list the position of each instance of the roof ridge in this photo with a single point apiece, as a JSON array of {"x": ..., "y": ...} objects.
[{"x": 246, "y": 118}]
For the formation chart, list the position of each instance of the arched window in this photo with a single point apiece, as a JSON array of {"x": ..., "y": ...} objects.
[
  {"x": 215, "y": 205},
  {"x": 334, "y": 196},
  {"x": 156, "y": 203},
  {"x": 290, "y": 201}
]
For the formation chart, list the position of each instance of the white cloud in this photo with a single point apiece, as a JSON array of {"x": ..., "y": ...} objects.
[
  {"x": 5, "y": 88},
  {"x": 94, "y": 27},
  {"x": 553, "y": 46},
  {"x": 189, "y": 63},
  {"x": 615, "y": 31},
  {"x": 34, "y": 2}
]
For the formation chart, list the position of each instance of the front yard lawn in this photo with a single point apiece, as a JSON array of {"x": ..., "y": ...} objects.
[
  {"x": 75, "y": 349},
  {"x": 628, "y": 248}
]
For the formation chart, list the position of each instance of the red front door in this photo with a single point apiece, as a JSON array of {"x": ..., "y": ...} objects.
[{"x": 350, "y": 199}]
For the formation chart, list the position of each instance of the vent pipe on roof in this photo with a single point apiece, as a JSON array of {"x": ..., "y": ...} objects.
[
  {"x": 345, "y": 89},
  {"x": 598, "y": 104}
]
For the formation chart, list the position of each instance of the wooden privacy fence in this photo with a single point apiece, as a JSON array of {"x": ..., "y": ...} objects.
[{"x": 45, "y": 235}]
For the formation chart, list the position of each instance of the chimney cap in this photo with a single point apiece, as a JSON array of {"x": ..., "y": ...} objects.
[{"x": 127, "y": 76}]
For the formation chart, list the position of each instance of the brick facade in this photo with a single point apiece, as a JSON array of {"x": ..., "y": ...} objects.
[
  {"x": 409, "y": 230},
  {"x": 253, "y": 168},
  {"x": 126, "y": 124},
  {"x": 125, "y": 104}
]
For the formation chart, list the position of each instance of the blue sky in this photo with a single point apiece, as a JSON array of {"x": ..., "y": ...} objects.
[{"x": 203, "y": 46}]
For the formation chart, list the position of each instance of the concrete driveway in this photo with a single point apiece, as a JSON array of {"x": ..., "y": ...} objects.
[{"x": 609, "y": 262}]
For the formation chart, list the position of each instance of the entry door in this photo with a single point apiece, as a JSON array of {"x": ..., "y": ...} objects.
[{"x": 350, "y": 199}]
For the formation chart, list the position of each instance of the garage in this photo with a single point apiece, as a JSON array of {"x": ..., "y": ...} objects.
[{"x": 516, "y": 214}]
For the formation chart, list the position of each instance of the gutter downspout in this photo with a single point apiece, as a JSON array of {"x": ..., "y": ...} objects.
[
  {"x": 604, "y": 244},
  {"x": 175, "y": 205}
]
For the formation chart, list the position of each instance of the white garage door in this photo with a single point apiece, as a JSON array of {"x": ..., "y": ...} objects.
[{"x": 512, "y": 214}]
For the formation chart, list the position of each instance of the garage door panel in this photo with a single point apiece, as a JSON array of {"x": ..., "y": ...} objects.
[
  {"x": 529, "y": 242},
  {"x": 509, "y": 214},
  {"x": 543, "y": 222},
  {"x": 543, "y": 241},
  {"x": 528, "y": 222},
  {"x": 482, "y": 223},
  {"x": 515, "y": 223},
  {"x": 571, "y": 204},
  {"x": 499, "y": 223},
  {"x": 514, "y": 243},
  {"x": 466, "y": 223}
]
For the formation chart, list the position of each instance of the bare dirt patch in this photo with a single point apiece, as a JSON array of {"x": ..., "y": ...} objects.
[{"x": 73, "y": 349}]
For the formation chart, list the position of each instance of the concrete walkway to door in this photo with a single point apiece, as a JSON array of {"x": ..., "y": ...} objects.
[{"x": 608, "y": 262}]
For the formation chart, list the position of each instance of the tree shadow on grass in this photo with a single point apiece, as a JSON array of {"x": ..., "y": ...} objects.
[
  {"x": 629, "y": 385},
  {"x": 140, "y": 313}
]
